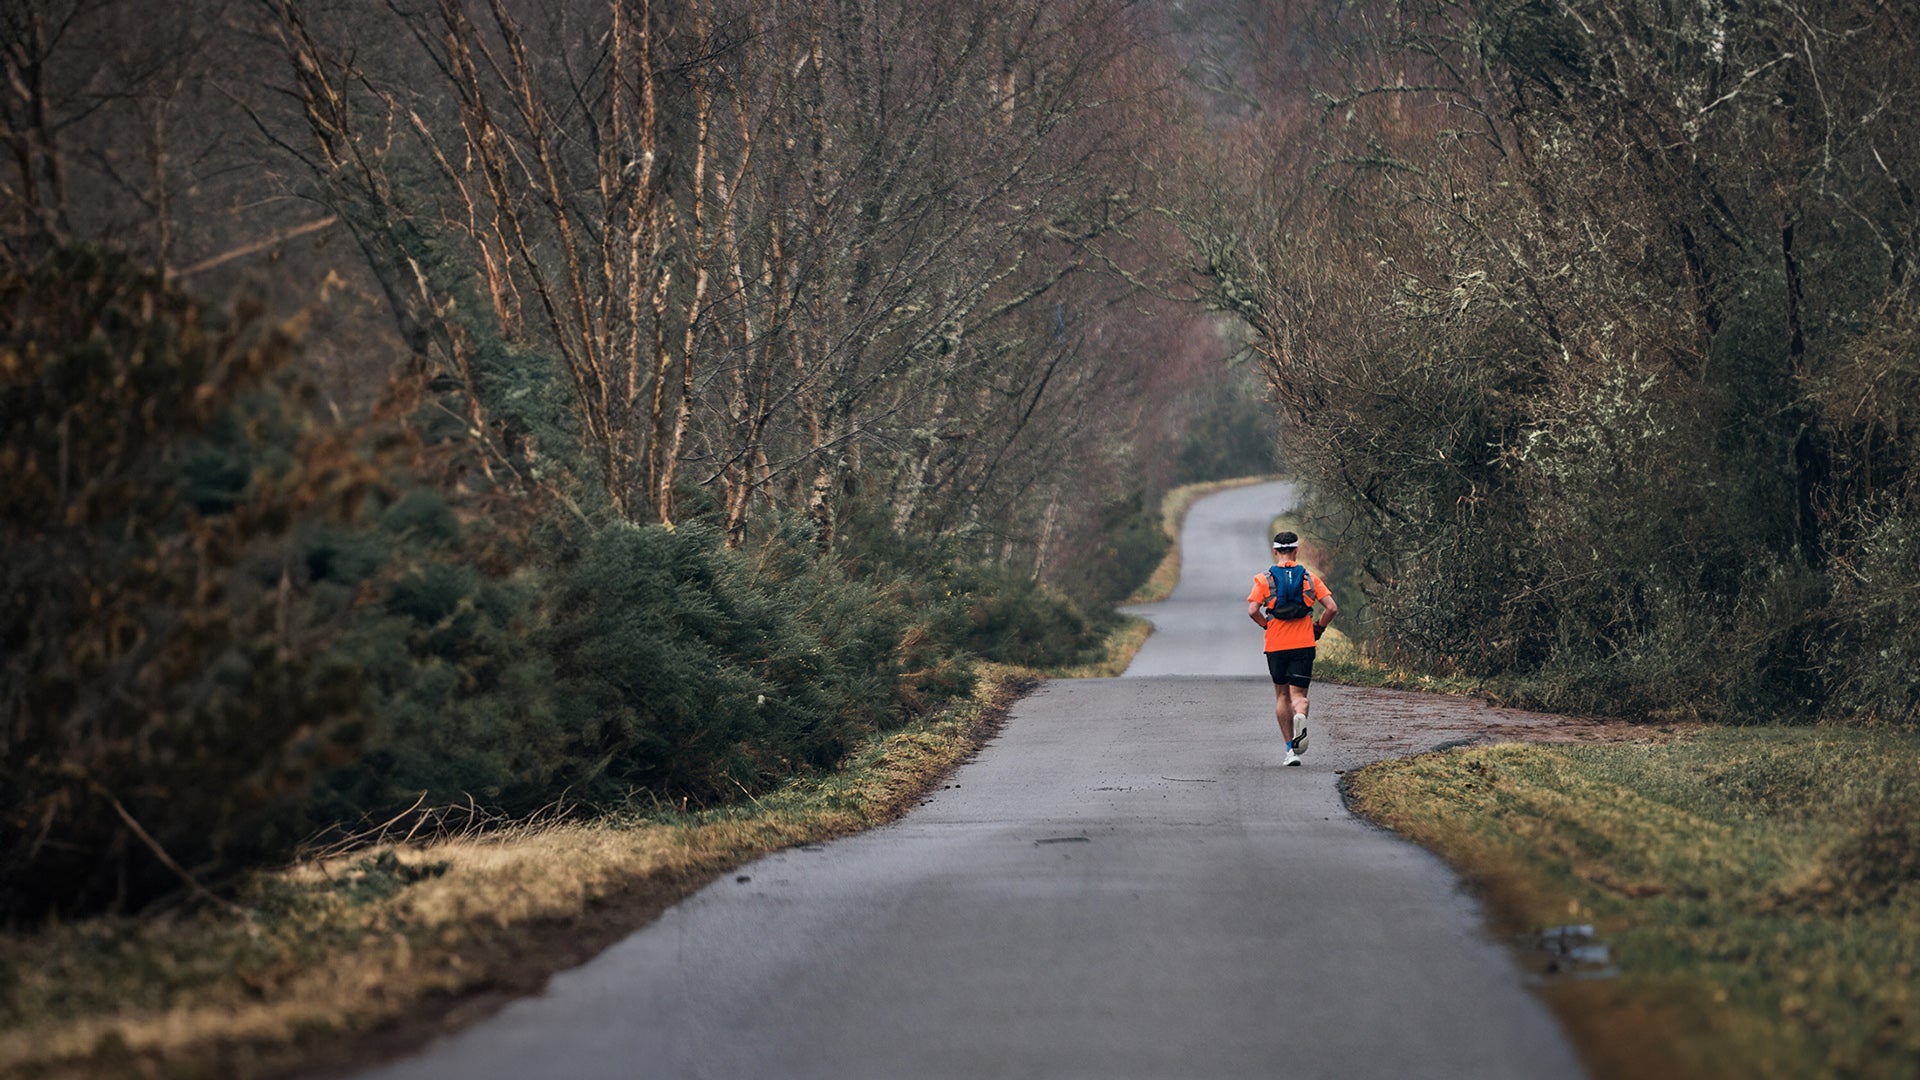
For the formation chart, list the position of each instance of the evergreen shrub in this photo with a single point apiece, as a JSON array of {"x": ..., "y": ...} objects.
[
  {"x": 167, "y": 689},
  {"x": 1132, "y": 543},
  {"x": 1013, "y": 619},
  {"x": 228, "y": 631},
  {"x": 975, "y": 605}
]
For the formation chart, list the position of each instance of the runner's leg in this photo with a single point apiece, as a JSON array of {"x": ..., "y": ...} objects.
[{"x": 1283, "y": 709}]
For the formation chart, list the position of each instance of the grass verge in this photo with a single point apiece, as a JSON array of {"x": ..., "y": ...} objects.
[
  {"x": 343, "y": 962},
  {"x": 1173, "y": 512},
  {"x": 1759, "y": 888},
  {"x": 1339, "y": 660},
  {"x": 1122, "y": 644}
]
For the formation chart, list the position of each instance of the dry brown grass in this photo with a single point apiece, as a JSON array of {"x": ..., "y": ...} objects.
[{"x": 346, "y": 960}]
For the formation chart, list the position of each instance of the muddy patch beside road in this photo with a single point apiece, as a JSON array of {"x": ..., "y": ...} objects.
[{"x": 1374, "y": 724}]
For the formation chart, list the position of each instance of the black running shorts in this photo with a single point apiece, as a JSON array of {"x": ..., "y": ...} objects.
[{"x": 1291, "y": 667}]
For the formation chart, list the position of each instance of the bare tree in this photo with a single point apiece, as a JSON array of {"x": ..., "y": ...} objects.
[{"x": 804, "y": 252}]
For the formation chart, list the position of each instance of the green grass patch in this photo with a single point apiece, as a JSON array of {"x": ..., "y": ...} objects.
[
  {"x": 1340, "y": 660},
  {"x": 1760, "y": 888}
]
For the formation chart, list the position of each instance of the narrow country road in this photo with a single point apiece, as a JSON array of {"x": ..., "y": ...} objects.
[{"x": 1124, "y": 883}]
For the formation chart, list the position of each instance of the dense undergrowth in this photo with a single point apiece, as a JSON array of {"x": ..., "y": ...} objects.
[
  {"x": 232, "y": 628},
  {"x": 1595, "y": 327}
]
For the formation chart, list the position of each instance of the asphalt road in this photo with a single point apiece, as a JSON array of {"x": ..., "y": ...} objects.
[{"x": 1124, "y": 883}]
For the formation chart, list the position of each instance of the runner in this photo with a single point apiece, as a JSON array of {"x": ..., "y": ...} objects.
[{"x": 1290, "y": 642}]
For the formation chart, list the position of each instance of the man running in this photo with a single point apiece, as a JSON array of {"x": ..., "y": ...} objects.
[{"x": 1290, "y": 641}]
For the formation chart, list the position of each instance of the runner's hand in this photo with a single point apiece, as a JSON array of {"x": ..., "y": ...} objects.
[{"x": 1318, "y": 630}]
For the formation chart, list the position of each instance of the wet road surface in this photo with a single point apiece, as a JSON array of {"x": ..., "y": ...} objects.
[{"x": 1124, "y": 883}]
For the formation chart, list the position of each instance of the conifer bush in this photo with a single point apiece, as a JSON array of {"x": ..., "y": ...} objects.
[
  {"x": 166, "y": 690},
  {"x": 693, "y": 672},
  {"x": 652, "y": 648},
  {"x": 1013, "y": 619},
  {"x": 1131, "y": 543},
  {"x": 461, "y": 703},
  {"x": 229, "y": 630}
]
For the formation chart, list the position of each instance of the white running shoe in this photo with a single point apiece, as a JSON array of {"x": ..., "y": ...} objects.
[
  {"x": 1291, "y": 758},
  {"x": 1299, "y": 733}
]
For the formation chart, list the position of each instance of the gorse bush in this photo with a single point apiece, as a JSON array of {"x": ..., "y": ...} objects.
[
  {"x": 998, "y": 612},
  {"x": 653, "y": 663},
  {"x": 684, "y": 678},
  {"x": 228, "y": 629},
  {"x": 165, "y": 687},
  {"x": 459, "y": 702},
  {"x": 1132, "y": 542}
]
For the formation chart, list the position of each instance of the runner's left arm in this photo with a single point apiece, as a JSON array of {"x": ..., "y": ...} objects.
[{"x": 1326, "y": 618}]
